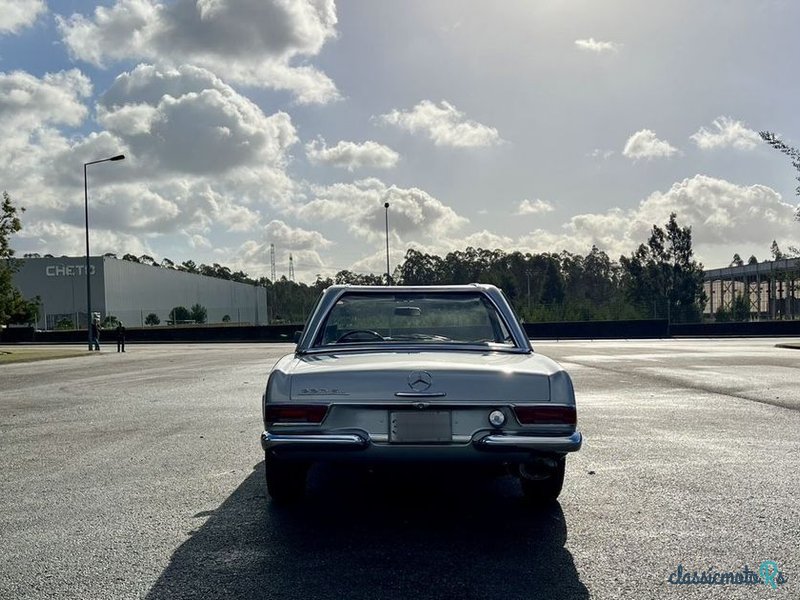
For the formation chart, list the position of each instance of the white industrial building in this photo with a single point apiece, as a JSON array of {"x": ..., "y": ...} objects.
[{"x": 131, "y": 291}]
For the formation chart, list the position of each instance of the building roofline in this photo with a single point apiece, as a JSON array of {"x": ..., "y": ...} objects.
[{"x": 785, "y": 264}]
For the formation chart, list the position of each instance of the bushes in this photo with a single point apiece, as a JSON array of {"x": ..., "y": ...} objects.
[{"x": 739, "y": 310}]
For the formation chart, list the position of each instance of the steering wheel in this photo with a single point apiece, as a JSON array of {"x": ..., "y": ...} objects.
[{"x": 359, "y": 332}]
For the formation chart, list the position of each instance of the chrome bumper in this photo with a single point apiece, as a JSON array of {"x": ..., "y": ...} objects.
[
  {"x": 534, "y": 443},
  {"x": 321, "y": 441},
  {"x": 490, "y": 443}
]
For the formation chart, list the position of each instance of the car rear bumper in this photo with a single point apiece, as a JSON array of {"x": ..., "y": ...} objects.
[
  {"x": 536, "y": 443},
  {"x": 315, "y": 441},
  {"x": 491, "y": 447}
]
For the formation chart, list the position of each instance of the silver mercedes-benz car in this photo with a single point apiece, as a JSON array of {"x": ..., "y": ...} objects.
[{"x": 413, "y": 374}]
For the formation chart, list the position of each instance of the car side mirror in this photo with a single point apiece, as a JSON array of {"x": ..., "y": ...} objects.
[{"x": 297, "y": 336}]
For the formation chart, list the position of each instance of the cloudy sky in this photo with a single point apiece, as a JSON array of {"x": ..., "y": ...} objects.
[{"x": 524, "y": 125}]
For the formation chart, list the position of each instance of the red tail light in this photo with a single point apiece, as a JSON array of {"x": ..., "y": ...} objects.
[
  {"x": 295, "y": 413},
  {"x": 557, "y": 414}
]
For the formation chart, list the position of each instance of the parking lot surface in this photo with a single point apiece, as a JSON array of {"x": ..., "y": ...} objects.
[{"x": 139, "y": 475}]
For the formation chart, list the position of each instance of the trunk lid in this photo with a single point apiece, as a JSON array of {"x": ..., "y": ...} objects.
[{"x": 356, "y": 377}]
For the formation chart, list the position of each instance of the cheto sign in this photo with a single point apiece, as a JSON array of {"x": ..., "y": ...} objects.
[{"x": 67, "y": 270}]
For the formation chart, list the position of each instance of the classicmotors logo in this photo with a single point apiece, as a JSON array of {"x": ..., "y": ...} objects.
[{"x": 768, "y": 573}]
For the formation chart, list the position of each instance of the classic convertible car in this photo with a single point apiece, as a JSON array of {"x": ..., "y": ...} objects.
[{"x": 414, "y": 374}]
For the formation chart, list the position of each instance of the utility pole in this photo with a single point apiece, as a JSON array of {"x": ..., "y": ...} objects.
[
  {"x": 388, "y": 273},
  {"x": 272, "y": 263},
  {"x": 291, "y": 268},
  {"x": 528, "y": 277}
]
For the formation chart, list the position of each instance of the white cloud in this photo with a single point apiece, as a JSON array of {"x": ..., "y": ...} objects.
[
  {"x": 18, "y": 14},
  {"x": 538, "y": 206},
  {"x": 416, "y": 220},
  {"x": 304, "y": 245},
  {"x": 132, "y": 208},
  {"x": 253, "y": 42},
  {"x": 444, "y": 124},
  {"x": 198, "y": 242},
  {"x": 62, "y": 239},
  {"x": 293, "y": 238},
  {"x": 28, "y": 102},
  {"x": 723, "y": 212},
  {"x": 724, "y": 217},
  {"x": 202, "y": 161},
  {"x": 598, "y": 153},
  {"x": 187, "y": 120},
  {"x": 593, "y": 45},
  {"x": 727, "y": 133},
  {"x": 351, "y": 156},
  {"x": 413, "y": 214},
  {"x": 128, "y": 120},
  {"x": 645, "y": 144},
  {"x": 487, "y": 239}
]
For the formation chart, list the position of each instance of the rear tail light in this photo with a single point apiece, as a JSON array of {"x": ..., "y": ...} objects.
[
  {"x": 546, "y": 415},
  {"x": 295, "y": 413}
]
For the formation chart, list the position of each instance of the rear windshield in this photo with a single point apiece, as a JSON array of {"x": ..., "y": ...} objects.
[{"x": 437, "y": 318}]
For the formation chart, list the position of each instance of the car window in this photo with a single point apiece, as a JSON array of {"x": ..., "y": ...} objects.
[{"x": 459, "y": 318}]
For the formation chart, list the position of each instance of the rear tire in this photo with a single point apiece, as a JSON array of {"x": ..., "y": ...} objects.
[
  {"x": 540, "y": 486},
  {"x": 286, "y": 481}
]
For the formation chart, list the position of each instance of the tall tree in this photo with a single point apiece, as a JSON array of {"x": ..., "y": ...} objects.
[
  {"x": 189, "y": 266},
  {"x": 420, "y": 268},
  {"x": 664, "y": 273},
  {"x": 775, "y": 250},
  {"x": 793, "y": 153},
  {"x": 13, "y": 307}
]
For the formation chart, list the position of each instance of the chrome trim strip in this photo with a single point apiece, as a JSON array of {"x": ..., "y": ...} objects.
[
  {"x": 415, "y": 347},
  {"x": 503, "y": 442},
  {"x": 272, "y": 441},
  {"x": 420, "y": 394}
]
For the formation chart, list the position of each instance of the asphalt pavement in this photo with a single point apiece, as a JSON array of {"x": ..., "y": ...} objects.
[{"x": 140, "y": 475}]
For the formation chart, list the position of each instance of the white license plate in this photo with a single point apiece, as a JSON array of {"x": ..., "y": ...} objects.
[{"x": 409, "y": 427}]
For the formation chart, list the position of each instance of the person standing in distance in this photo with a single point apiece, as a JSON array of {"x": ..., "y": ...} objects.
[
  {"x": 96, "y": 334},
  {"x": 120, "y": 337}
]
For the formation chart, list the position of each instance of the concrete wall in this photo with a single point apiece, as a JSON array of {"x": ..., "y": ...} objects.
[{"x": 284, "y": 333}]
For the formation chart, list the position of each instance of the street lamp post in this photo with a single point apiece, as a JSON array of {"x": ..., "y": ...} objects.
[
  {"x": 388, "y": 275},
  {"x": 86, "y": 214}
]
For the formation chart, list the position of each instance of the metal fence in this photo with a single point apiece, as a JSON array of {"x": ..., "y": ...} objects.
[{"x": 149, "y": 317}]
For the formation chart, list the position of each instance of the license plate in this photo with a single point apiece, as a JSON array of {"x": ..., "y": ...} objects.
[{"x": 418, "y": 427}]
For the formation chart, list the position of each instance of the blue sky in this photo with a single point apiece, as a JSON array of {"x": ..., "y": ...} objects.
[{"x": 534, "y": 126}]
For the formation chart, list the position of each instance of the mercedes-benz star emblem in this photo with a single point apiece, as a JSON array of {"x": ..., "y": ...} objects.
[{"x": 419, "y": 381}]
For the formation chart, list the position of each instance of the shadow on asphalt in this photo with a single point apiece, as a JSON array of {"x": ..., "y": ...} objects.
[{"x": 392, "y": 534}]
